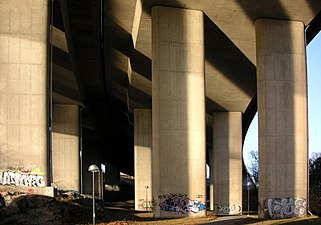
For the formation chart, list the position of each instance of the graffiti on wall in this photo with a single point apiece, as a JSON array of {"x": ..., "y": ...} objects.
[
  {"x": 228, "y": 209},
  {"x": 286, "y": 207},
  {"x": 22, "y": 177},
  {"x": 180, "y": 203}
]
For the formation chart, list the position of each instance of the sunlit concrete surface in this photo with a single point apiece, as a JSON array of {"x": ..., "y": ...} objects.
[{"x": 23, "y": 85}]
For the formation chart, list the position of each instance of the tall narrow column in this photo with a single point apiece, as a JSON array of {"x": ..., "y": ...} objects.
[
  {"x": 23, "y": 133},
  {"x": 227, "y": 162},
  {"x": 282, "y": 106},
  {"x": 211, "y": 186},
  {"x": 178, "y": 113},
  {"x": 143, "y": 159},
  {"x": 65, "y": 149}
]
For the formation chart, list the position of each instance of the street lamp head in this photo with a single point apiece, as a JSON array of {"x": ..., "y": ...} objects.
[
  {"x": 93, "y": 168},
  {"x": 248, "y": 184}
]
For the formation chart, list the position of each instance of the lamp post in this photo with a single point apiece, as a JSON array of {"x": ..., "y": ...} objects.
[
  {"x": 248, "y": 198},
  {"x": 94, "y": 169},
  {"x": 146, "y": 205}
]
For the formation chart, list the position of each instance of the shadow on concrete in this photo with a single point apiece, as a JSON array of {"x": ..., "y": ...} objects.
[{"x": 225, "y": 56}]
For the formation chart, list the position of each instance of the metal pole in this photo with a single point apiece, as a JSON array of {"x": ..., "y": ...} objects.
[
  {"x": 248, "y": 198},
  {"x": 146, "y": 205},
  {"x": 99, "y": 185},
  {"x": 94, "y": 198},
  {"x": 93, "y": 168},
  {"x": 80, "y": 149},
  {"x": 102, "y": 185},
  {"x": 248, "y": 201}
]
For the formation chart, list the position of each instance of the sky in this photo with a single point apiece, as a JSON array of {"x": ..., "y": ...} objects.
[{"x": 314, "y": 104}]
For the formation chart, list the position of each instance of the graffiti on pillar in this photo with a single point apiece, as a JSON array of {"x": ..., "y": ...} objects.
[
  {"x": 147, "y": 204},
  {"x": 285, "y": 207},
  {"x": 180, "y": 203},
  {"x": 143, "y": 204},
  {"x": 228, "y": 209},
  {"x": 198, "y": 196},
  {"x": 22, "y": 177}
]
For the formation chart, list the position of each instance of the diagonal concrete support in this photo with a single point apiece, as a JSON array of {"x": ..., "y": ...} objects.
[{"x": 282, "y": 106}]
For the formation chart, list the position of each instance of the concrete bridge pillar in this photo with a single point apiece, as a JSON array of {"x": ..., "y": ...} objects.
[
  {"x": 178, "y": 112},
  {"x": 65, "y": 149},
  {"x": 282, "y": 106},
  {"x": 227, "y": 163},
  {"x": 23, "y": 62},
  {"x": 143, "y": 159}
]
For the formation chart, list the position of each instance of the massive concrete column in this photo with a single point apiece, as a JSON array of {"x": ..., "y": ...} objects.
[
  {"x": 65, "y": 149},
  {"x": 282, "y": 106},
  {"x": 227, "y": 162},
  {"x": 143, "y": 159},
  {"x": 23, "y": 133},
  {"x": 178, "y": 112}
]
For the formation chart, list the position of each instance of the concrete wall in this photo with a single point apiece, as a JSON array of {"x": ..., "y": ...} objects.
[
  {"x": 282, "y": 107},
  {"x": 23, "y": 58},
  {"x": 178, "y": 112},
  {"x": 65, "y": 149}
]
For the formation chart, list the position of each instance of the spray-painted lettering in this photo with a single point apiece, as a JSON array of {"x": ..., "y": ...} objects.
[
  {"x": 21, "y": 179},
  {"x": 228, "y": 209},
  {"x": 286, "y": 207},
  {"x": 147, "y": 204}
]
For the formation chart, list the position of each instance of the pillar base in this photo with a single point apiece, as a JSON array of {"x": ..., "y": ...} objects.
[{"x": 280, "y": 208}]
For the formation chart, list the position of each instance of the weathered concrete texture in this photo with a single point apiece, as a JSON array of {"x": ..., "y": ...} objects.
[
  {"x": 178, "y": 112},
  {"x": 282, "y": 106},
  {"x": 143, "y": 159},
  {"x": 227, "y": 162},
  {"x": 23, "y": 38},
  {"x": 48, "y": 191},
  {"x": 65, "y": 149}
]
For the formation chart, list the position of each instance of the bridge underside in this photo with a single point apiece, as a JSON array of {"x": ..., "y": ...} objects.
[
  {"x": 107, "y": 59},
  {"x": 107, "y": 65}
]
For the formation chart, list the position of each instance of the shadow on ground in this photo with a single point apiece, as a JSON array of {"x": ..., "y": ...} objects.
[{"x": 254, "y": 220}]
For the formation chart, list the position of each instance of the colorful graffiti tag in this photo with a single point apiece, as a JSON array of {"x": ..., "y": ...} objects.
[
  {"x": 147, "y": 204},
  {"x": 180, "y": 203},
  {"x": 286, "y": 207},
  {"x": 21, "y": 177}
]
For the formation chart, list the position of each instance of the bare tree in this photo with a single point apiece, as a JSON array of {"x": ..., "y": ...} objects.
[
  {"x": 315, "y": 183},
  {"x": 315, "y": 172},
  {"x": 254, "y": 166}
]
